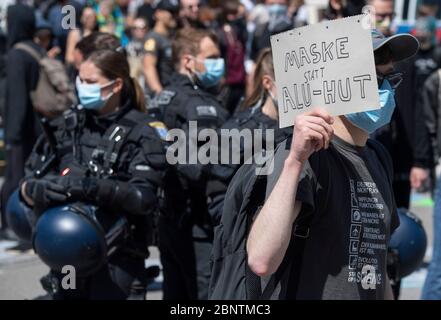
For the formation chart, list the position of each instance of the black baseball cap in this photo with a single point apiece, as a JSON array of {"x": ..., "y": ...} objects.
[
  {"x": 402, "y": 46},
  {"x": 171, "y": 6}
]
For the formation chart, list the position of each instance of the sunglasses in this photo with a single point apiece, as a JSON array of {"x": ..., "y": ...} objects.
[{"x": 394, "y": 78}]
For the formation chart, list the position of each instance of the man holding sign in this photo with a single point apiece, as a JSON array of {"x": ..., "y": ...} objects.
[{"x": 329, "y": 208}]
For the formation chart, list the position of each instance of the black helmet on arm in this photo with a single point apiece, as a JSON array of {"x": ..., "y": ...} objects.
[
  {"x": 407, "y": 246},
  {"x": 72, "y": 235}
]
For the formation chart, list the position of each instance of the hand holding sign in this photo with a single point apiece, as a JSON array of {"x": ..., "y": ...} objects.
[
  {"x": 329, "y": 64},
  {"x": 312, "y": 132}
]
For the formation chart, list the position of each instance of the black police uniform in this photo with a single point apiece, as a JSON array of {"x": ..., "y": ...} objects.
[
  {"x": 222, "y": 174},
  {"x": 262, "y": 34},
  {"x": 185, "y": 230},
  {"x": 159, "y": 46},
  {"x": 122, "y": 156}
]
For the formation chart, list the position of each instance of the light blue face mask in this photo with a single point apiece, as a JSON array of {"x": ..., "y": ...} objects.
[
  {"x": 214, "y": 71},
  {"x": 278, "y": 16},
  {"x": 370, "y": 121},
  {"x": 277, "y": 9},
  {"x": 90, "y": 94}
]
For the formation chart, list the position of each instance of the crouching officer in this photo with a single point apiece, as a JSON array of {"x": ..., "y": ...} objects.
[
  {"x": 92, "y": 182},
  {"x": 185, "y": 230}
]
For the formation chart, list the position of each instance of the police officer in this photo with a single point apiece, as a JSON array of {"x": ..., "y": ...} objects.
[
  {"x": 157, "y": 47},
  {"x": 104, "y": 154},
  {"x": 278, "y": 21},
  {"x": 259, "y": 111},
  {"x": 185, "y": 231}
]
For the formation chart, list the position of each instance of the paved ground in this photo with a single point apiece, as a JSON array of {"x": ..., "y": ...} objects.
[
  {"x": 422, "y": 206},
  {"x": 20, "y": 271}
]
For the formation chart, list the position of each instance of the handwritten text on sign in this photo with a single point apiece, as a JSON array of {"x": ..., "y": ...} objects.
[{"x": 329, "y": 64}]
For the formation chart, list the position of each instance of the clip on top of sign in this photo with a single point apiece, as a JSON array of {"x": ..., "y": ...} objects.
[{"x": 329, "y": 64}]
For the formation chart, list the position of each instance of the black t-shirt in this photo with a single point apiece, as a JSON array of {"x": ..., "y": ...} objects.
[
  {"x": 348, "y": 192},
  {"x": 160, "y": 46}
]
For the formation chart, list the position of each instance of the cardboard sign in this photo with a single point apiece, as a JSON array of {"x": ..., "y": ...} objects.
[{"x": 329, "y": 64}]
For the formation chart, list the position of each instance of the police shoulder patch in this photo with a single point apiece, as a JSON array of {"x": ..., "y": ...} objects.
[
  {"x": 206, "y": 111},
  {"x": 165, "y": 97},
  {"x": 160, "y": 129},
  {"x": 150, "y": 45}
]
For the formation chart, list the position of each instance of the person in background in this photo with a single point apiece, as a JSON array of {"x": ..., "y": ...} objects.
[
  {"x": 110, "y": 19},
  {"x": 426, "y": 157},
  {"x": 427, "y": 149},
  {"x": 94, "y": 41},
  {"x": 3, "y": 11},
  {"x": 298, "y": 12},
  {"x": 88, "y": 25},
  {"x": 384, "y": 15},
  {"x": 43, "y": 38},
  {"x": 207, "y": 17},
  {"x": 132, "y": 9},
  {"x": 3, "y": 63},
  {"x": 279, "y": 21},
  {"x": 189, "y": 14},
  {"x": 428, "y": 8},
  {"x": 185, "y": 229},
  {"x": 124, "y": 7},
  {"x": 135, "y": 48},
  {"x": 232, "y": 34},
  {"x": 428, "y": 58},
  {"x": 398, "y": 136},
  {"x": 343, "y": 8},
  {"x": 20, "y": 120},
  {"x": 146, "y": 11},
  {"x": 158, "y": 53},
  {"x": 137, "y": 37},
  {"x": 426, "y": 63}
]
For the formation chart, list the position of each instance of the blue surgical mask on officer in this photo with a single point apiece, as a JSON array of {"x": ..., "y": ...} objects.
[
  {"x": 277, "y": 9},
  {"x": 214, "y": 71},
  {"x": 90, "y": 94},
  {"x": 370, "y": 121}
]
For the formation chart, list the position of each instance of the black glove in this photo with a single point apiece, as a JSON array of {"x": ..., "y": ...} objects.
[
  {"x": 79, "y": 188},
  {"x": 45, "y": 192},
  {"x": 94, "y": 190},
  {"x": 109, "y": 193}
]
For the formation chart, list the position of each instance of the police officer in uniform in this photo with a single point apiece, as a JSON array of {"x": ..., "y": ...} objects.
[
  {"x": 157, "y": 47},
  {"x": 102, "y": 162},
  {"x": 259, "y": 111},
  {"x": 185, "y": 230}
]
